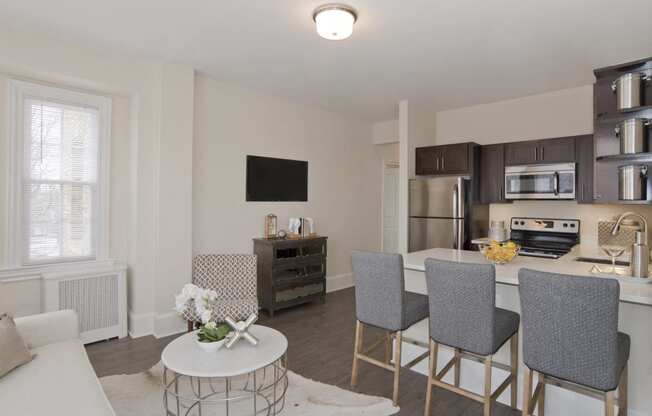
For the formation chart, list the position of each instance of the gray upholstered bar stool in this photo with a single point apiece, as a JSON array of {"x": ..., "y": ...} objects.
[
  {"x": 381, "y": 301},
  {"x": 571, "y": 338},
  {"x": 463, "y": 316}
]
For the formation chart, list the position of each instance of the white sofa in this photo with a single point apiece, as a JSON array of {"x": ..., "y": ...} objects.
[{"x": 60, "y": 379}]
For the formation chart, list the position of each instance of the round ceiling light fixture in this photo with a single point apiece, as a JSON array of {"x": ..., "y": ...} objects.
[{"x": 334, "y": 21}]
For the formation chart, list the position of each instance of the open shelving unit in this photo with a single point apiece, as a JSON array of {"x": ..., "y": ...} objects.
[{"x": 606, "y": 143}]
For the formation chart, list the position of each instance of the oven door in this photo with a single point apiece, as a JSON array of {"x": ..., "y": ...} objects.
[{"x": 540, "y": 181}]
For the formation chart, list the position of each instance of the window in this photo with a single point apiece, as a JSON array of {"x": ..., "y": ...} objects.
[{"x": 59, "y": 194}]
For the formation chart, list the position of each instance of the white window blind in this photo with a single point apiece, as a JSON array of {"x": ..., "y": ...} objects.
[{"x": 60, "y": 208}]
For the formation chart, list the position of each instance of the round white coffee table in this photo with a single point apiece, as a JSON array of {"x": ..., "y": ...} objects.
[{"x": 243, "y": 380}]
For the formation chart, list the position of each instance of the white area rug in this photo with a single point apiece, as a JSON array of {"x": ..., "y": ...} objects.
[{"x": 142, "y": 395}]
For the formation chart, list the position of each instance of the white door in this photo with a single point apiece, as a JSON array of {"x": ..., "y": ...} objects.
[{"x": 390, "y": 209}]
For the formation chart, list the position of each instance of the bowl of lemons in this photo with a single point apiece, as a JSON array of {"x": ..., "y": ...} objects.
[{"x": 500, "y": 253}]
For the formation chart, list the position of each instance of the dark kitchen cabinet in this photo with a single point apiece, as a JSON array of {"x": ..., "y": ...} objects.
[
  {"x": 451, "y": 159},
  {"x": 557, "y": 150},
  {"x": 584, "y": 155},
  {"x": 491, "y": 176},
  {"x": 427, "y": 160},
  {"x": 532, "y": 152},
  {"x": 521, "y": 153}
]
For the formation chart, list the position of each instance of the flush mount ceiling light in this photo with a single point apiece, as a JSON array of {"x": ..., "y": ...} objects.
[{"x": 334, "y": 21}]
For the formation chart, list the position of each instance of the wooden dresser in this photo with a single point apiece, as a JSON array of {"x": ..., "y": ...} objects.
[{"x": 290, "y": 272}]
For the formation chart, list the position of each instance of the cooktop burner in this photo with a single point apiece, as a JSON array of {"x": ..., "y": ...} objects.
[{"x": 545, "y": 237}]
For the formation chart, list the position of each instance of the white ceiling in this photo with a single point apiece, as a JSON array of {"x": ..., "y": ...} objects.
[{"x": 443, "y": 53}]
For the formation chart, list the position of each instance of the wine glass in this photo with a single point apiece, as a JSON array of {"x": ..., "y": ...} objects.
[{"x": 614, "y": 252}]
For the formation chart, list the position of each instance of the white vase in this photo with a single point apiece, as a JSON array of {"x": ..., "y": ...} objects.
[{"x": 210, "y": 346}]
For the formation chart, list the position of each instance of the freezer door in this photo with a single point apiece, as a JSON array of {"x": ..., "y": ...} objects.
[
  {"x": 437, "y": 197},
  {"x": 426, "y": 233}
]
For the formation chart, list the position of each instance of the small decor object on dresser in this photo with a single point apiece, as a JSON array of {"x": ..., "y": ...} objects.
[{"x": 270, "y": 226}]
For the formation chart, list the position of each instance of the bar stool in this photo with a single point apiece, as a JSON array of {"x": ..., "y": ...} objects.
[
  {"x": 463, "y": 316},
  {"x": 571, "y": 338},
  {"x": 381, "y": 301}
]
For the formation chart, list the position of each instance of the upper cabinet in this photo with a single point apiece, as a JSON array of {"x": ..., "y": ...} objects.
[
  {"x": 450, "y": 159},
  {"x": 560, "y": 150},
  {"x": 584, "y": 169},
  {"x": 491, "y": 178}
]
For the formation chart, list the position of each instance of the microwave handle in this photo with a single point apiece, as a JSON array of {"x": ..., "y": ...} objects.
[{"x": 555, "y": 183}]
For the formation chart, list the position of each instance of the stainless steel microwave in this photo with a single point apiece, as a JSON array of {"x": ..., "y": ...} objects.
[{"x": 540, "y": 181}]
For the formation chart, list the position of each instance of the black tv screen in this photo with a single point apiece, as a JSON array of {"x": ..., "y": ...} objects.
[{"x": 271, "y": 179}]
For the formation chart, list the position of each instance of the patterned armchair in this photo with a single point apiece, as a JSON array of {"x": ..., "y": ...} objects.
[{"x": 233, "y": 277}]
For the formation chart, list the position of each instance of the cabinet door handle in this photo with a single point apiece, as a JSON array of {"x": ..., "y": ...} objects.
[
  {"x": 442, "y": 163},
  {"x": 437, "y": 168},
  {"x": 536, "y": 153},
  {"x": 542, "y": 154}
]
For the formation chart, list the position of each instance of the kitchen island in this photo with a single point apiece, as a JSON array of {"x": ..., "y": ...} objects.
[{"x": 635, "y": 319}]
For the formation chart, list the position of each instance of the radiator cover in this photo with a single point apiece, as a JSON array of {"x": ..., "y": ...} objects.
[{"x": 99, "y": 296}]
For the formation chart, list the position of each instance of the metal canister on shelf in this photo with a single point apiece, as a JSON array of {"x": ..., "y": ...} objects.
[
  {"x": 632, "y": 135},
  {"x": 628, "y": 89},
  {"x": 632, "y": 183}
]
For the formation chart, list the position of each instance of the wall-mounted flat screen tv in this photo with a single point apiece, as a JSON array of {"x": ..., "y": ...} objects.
[{"x": 271, "y": 179}]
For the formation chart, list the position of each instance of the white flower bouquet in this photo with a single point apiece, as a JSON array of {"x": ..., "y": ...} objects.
[{"x": 210, "y": 336}]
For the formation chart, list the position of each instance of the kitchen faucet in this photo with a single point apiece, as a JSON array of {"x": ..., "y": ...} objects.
[{"x": 640, "y": 259}]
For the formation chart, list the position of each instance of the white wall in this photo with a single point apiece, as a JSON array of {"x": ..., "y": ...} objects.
[
  {"x": 560, "y": 113},
  {"x": 388, "y": 153},
  {"x": 344, "y": 172},
  {"x": 416, "y": 129},
  {"x": 151, "y": 147},
  {"x": 385, "y": 132}
]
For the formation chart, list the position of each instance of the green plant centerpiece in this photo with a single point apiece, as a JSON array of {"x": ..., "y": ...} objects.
[{"x": 212, "y": 332}]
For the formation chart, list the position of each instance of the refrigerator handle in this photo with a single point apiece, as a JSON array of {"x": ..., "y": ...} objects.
[{"x": 456, "y": 208}]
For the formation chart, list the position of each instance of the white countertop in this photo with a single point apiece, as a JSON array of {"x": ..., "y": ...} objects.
[{"x": 508, "y": 274}]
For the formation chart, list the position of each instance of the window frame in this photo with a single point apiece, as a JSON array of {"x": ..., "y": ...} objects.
[{"x": 18, "y": 91}]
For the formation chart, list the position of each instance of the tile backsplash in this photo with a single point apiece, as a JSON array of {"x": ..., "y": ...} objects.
[{"x": 588, "y": 214}]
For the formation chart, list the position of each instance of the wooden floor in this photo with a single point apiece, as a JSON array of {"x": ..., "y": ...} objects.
[{"x": 320, "y": 348}]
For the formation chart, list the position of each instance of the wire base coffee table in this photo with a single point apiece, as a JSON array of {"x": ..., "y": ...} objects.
[{"x": 244, "y": 380}]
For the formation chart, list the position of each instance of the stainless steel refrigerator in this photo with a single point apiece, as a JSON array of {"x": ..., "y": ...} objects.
[{"x": 443, "y": 214}]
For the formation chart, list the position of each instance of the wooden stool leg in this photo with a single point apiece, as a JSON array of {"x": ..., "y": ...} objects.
[
  {"x": 609, "y": 403},
  {"x": 541, "y": 404},
  {"x": 487, "y": 385},
  {"x": 527, "y": 390},
  {"x": 388, "y": 347},
  {"x": 458, "y": 364},
  {"x": 432, "y": 368},
  {"x": 513, "y": 347},
  {"x": 622, "y": 393},
  {"x": 359, "y": 328},
  {"x": 397, "y": 365}
]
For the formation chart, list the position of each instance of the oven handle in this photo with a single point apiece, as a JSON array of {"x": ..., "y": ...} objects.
[{"x": 555, "y": 183}]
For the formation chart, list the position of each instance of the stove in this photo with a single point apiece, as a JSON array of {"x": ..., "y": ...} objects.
[{"x": 544, "y": 237}]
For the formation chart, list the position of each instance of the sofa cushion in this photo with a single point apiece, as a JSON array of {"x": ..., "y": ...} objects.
[
  {"x": 13, "y": 351},
  {"x": 58, "y": 381}
]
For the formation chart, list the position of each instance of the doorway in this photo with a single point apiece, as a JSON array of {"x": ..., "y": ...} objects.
[{"x": 390, "y": 208}]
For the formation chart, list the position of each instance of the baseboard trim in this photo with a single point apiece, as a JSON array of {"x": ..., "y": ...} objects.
[
  {"x": 169, "y": 324},
  {"x": 162, "y": 325},
  {"x": 140, "y": 324},
  {"x": 339, "y": 282}
]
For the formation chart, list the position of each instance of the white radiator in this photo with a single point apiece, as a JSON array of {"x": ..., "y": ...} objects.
[{"x": 99, "y": 296}]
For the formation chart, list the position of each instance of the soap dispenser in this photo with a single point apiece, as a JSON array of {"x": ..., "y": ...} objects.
[{"x": 640, "y": 257}]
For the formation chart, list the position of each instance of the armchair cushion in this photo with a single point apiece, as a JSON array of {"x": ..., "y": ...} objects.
[{"x": 233, "y": 277}]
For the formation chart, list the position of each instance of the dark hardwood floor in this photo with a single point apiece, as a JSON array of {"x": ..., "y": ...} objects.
[{"x": 320, "y": 340}]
